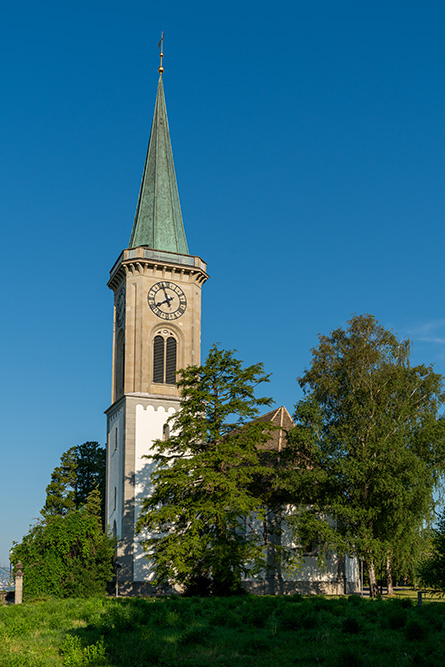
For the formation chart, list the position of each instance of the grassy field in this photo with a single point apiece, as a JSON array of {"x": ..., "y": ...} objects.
[{"x": 239, "y": 631}]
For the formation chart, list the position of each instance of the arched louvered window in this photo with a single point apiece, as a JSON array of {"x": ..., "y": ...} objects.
[
  {"x": 170, "y": 365},
  {"x": 158, "y": 359},
  {"x": 165, "y": 352}
]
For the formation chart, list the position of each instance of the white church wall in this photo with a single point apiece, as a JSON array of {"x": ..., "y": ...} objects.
[{"x": 149, "y": 427}]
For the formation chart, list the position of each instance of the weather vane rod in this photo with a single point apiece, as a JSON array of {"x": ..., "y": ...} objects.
[{"x": 161, "y": 55}]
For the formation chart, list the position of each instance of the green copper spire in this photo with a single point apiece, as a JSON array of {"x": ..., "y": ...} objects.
[{"x": 158, "y": 220}]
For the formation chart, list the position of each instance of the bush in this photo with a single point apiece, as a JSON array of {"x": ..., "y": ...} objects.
[{"x": 66, "y": 556}]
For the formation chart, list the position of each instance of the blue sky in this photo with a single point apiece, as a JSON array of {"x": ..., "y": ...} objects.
[{"x": 309, "y": 145}]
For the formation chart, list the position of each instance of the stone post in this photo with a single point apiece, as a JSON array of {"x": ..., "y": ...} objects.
[{"x": 18, "y": 597}]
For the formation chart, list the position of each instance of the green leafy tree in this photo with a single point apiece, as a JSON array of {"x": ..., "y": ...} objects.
[
  {"x": 204, "y": 517},
  {"x": 81, "y": 470},
  {"x": 371, "y": 444},
  {"x": 67, "y": 555}
]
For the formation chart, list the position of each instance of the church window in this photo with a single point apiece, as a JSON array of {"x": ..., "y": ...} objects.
[
  {"x": 165, "y": 432},
  {"x": 115, "y": 497},
  {"x": 165, "y": 352},
  {"x": 170, "y": 366},
  {"x": 115, "y": 438},
  {"x": 158, "y": 359}
]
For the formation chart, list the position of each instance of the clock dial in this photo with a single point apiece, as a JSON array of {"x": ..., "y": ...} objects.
[
  {"x": 120, "y": 308},
  {"x": 167, "y": 300}
]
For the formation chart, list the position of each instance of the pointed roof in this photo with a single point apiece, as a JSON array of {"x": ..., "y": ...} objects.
[
  {"x": 158, "y": 220},
  {"x": 283, "y": 422}
]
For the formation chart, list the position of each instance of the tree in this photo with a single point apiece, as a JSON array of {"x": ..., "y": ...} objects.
[
  {"x": 81, "y": 470},
  {"x": 204, "y": 517},
  {"x": 67, "y": 555},
  {"x": 431, "y": 571},
  {"x": 369, "y": 432},
  {"x": 61, "y": 491}
]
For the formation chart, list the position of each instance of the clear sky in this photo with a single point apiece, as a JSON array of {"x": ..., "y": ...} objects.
[{"x": 309, "y": 143}]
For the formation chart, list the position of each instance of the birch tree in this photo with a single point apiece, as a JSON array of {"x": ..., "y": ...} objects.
[{"x": 368, "y": 426}]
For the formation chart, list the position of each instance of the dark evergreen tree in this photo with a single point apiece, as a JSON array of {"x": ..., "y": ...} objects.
[
  {"x": 81, "y": 470},
  {"x": 61, "y": 491},
  {"x": 204, "y": 517}
]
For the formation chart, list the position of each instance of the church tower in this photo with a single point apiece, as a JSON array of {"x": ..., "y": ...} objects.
[{"x": 156, "y": 331}]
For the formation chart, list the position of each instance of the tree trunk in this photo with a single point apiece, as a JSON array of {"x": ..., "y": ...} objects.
[
  {"x": 389, "y": 582},
  {"x": 373, "y": 588}
]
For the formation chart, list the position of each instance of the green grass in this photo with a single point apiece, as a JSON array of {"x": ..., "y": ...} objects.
[{"x": 231, "y": 632}]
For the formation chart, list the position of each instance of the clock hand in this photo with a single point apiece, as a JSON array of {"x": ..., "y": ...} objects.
[{"x": 168, "y": 300}]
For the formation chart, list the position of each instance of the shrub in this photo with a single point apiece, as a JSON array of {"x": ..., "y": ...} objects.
[{"x": 66, "y": 556}]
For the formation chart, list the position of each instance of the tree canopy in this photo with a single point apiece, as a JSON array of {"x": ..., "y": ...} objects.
[
  {"x": 369, "y": 432},
  {"x": 68, "y": 553},
  {"x": 203, "y": 519}
]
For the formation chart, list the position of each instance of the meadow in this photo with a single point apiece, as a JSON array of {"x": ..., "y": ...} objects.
[{"x": 229, "y": 632}]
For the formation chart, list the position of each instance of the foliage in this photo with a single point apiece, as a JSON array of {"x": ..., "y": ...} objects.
[
  {"x": 204, "y": 517},
  {"x": 60, "y": 492},
  {"x": 66, "y": 555},
  {"x": 177, "y": 632},
  {"x": 432, "y": 570},
  {"x": 81, "y": 470},
  {"x": 371, "y": 443}
]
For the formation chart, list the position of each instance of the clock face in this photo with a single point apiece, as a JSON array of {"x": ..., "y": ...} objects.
[
  {"x": 120, "y": 308},
  {"x": 167, "y": 300}
]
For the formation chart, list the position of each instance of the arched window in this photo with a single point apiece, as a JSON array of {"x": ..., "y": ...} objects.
[
  {"x": 165, "y": 353},
  {"x": 120, "y": 365},
  {"x": 158, "y": 359},
  {"x": 170, "y": 362}
]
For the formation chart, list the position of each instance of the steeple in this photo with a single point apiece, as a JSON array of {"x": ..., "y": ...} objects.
[{"x": 158, "y": 220}]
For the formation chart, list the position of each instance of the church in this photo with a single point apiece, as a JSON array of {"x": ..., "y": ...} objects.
[{"x": 156, "y": 331}]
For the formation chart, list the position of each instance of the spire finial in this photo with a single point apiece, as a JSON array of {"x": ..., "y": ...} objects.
[{"x": 161, "y": 55}]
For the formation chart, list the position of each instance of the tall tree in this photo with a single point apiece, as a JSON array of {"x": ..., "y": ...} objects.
[
  {"x": 203, "y": 519},
  {"x": 81, "y": 470},
  {"x": 369, "y": 426}
]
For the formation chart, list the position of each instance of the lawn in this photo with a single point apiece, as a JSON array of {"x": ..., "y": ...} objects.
[{"x": 231, "y": 632}]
